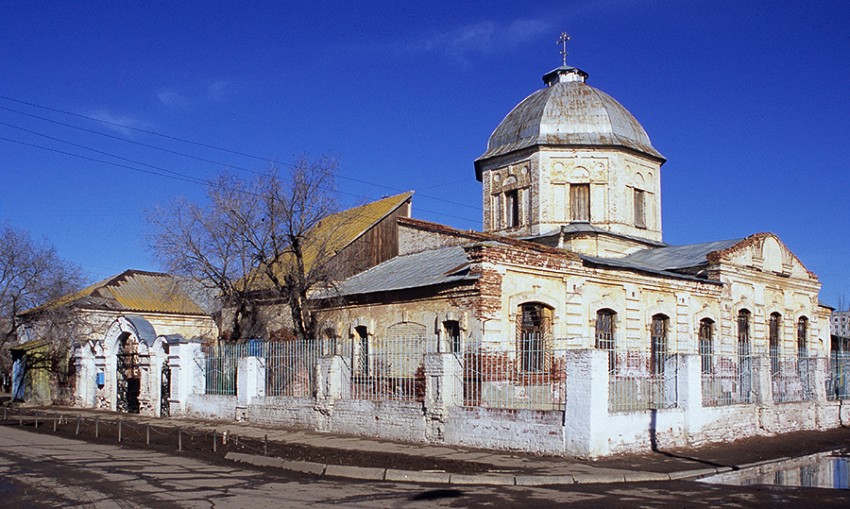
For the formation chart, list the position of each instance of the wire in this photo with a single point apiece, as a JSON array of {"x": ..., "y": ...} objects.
[
  {"x": 138, "y": 129},
  {"x": 183, "y": 154},
  {"x": 175, "y": 176},
  {"x": 162, "y": 172},
  {"x": 101, "y": 152}
]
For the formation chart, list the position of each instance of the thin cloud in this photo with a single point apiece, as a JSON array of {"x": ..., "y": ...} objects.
[
  {"x": 172, "y": 99},
  {"x": 123, "y": 124},
  {"x": 487, "y": 37}
]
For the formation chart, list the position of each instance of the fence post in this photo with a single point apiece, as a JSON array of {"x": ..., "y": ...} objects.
[
  {"x": 54, "y": 424},
  {"x": 21, "y": 418},
  {"x": 215, "y": 439},
  {"x": 120, "y": 421},
  {"x": 36, "y": 420},
  {"x": 443, "y": 390},
  {"x": 179, "y": 439},
  {"x": 266, "y": 445},
  {"x": 96, "y": 427},
  {"x": 689, "y": 389},
  {"x": 148, "y": 434},
  {"x": 586, "y": 410},
  {"x": 79, "y": 418}
]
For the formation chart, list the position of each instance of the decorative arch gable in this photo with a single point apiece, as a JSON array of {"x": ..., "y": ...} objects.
[
  {"x": 139, "y": 329},
  {"x": 763, "y": 251}
]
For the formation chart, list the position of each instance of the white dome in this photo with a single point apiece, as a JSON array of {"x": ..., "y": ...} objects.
[{"x": 570, "y": 113}]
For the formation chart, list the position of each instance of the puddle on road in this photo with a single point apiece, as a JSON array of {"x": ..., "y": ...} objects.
[{"x": 824, "y": 470}]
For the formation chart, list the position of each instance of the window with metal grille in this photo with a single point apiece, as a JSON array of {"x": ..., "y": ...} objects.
[
  {"x": 773, "y": 330},
  {"x": 802, "y": 331},
  {"x": 452, "y": 328},
  {"x": 640, "y": 211},
  {"x": 534, "y": 329},
  {"x": 706, "y": 344},
  {"x": 743, "y": 332},
  {"x": 580, "y": 202},
  {"x": 605, "y": 334},
  {"x": 658, "y": 344},
  {"x": 363, "y": 357}
]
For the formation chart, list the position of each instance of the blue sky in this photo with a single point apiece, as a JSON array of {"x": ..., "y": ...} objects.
[{"x": 748, "y": 101}]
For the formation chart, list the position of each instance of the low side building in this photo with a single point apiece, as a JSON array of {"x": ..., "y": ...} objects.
[{"x": 114, "y": 336}]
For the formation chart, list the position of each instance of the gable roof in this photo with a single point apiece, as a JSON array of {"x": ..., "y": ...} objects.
[
  {"x": 337, "y": 231},
  {"x": 131, "y": 291},
  {"x": 425, "y": 268}
]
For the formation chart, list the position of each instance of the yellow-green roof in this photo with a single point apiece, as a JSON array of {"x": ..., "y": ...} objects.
[
  {"x": 133, "y": 291},
  {"x": 339, "y": 230}
]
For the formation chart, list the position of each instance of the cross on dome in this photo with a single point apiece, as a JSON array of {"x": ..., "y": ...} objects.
[{"x": 563, "y": 40}]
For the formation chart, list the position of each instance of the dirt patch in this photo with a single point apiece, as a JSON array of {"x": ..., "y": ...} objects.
[{"x": 211, "y": 446}]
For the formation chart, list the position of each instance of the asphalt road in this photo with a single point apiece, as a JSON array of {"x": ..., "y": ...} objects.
[{"x": 42, "y": 470}]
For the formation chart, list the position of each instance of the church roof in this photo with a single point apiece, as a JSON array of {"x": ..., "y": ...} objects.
[
  {"x": 568, "y": 112},
  {"x": 667, "y": 260},
  {"x": 426, "y": 268},
  {"x": 133, "y": 291}
]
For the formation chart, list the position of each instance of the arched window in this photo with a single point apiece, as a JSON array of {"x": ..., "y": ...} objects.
[
  {"x": 802, "y": 332},
  {"x": 706, "y": 344},
  {"x": 774, "y": 326},
  {"x": 534, "y": 330},
  {"x": 605, "y": 319},
  {"x": 743, "y": 333},
  {"x": 744, "y": 368},
  {"x": 363, "y": 347},
  {"x": 658, "y": 344}
]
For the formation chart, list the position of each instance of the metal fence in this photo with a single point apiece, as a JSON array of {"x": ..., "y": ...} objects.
[
  {"x": 641, "y": 380},
  {"x": 221, "y": 363},
  {"x": 727, "y": 380},
  {"x": 838, "y": 376},
  {"x": 387, "y": 369},
  {"x": 792, "y": 378},
  {"x": 500, "y": 376},
  {"x": 291, "y": 366}
]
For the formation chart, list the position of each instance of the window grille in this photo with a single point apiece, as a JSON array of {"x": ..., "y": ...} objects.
[
  {"x": 773, "y": 341},
  {"x": 452, "y": 329},
  {"x": 605, "y": 335},
  {"x": 744, "y": 352},
  {"x": 706, "y": 345},
  {"x": 534, "y": 330},
  {"x": 802, "y": 331},
  {"x": 658, "y": 344}
]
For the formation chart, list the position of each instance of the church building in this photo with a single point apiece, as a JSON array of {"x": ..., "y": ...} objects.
[
  {"x": 572, "y": 258},
  {"x": 567, "y": 326}
]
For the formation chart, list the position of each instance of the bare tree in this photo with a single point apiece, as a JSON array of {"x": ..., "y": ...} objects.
[
  {"x": 289, "y": 240},
  {"x": 201, "y": 242},
  {"x": 254, "y": 239},
  {"x": 31, "y": 275}
]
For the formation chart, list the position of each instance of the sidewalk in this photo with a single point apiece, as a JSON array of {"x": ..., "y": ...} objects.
[{"x": 493, "y": 467}]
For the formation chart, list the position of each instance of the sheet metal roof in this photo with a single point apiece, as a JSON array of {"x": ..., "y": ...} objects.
[
  {"x": 666, "y": 260},
  {"x": 569, "y": 113},
  {"x": 132, "y": 290},
  {"x": 426, "y": 268}
]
